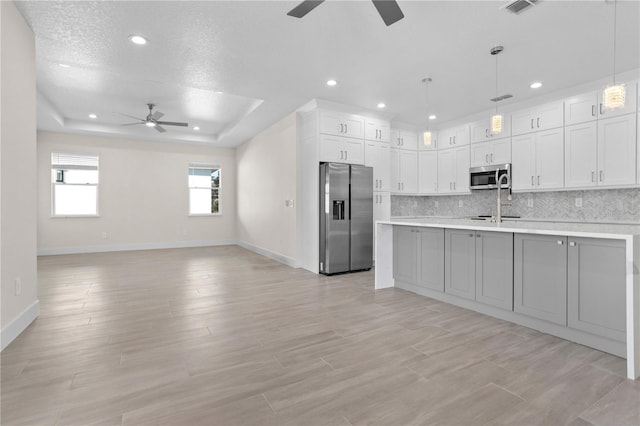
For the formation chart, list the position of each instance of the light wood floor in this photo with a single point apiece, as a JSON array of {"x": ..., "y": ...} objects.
[{"x": 222, "y": 336}]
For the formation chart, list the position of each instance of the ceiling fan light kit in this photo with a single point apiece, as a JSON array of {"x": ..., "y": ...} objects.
[
  {"x": 613, "y": 95},
  {"x": 388, "y": 9},
  {"x": 152, "y": 120}
]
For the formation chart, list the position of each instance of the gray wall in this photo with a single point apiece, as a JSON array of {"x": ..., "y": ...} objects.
[{"x": 605, "y": 205}]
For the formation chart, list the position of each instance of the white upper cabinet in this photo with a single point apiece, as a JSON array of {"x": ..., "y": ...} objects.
[
  {"x": 617, "y": 150},
  {"x": 493, "y": 152},
  {"x": 454, "y": 136},
  {"x": 581, "y": 155},
  {"x": 404, "y": 139},
  {"x": 341, "y": 124},
  {"x": 377, "y": 130},
  {"x": 339, "y": 149},
  {"x": 481, "y": 130},
  {"x": 538, "y": 160},
  {"x": 453, "y": 170},
  {"x": 543, "y": 117},
  {"x": 376, "y": 155},
  {"x": 581, "y": 108},
  {"x": 404, "y": 171},
  {"x": 428, "y": 172}
]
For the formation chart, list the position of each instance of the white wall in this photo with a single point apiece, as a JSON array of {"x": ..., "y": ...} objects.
[
  {"x": 143, "y": 196},
  {"x": 17, "y": 173},
  {"x": 266, "y": 167}
]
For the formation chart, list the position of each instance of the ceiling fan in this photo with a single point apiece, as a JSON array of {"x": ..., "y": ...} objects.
[
  {"x": 152, "y": 118},
  {"x": 388, "y": 9}
]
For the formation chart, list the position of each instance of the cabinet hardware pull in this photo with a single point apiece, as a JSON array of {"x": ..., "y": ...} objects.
[
  {"x": 532, "y": 123},
  {"x": 593, "y": 176},
  {"x": 346, "y": 128},
  {"x": 403, "y": 186},
  {"x": 601, "y": 110},
  {"x": 454, "y": 140},
  {"x": 471, "y": 235},
  {"x": 478, "y": 236},
  {"x": 560, "y": 242},
  {"x": 572, "y": 243},
  {"x": 491, "y": 157},
  {"x": 538, "y": 180},
  {"x": 381, "y": 184},
  {"x": 532, "y": 181},
  {"x": 593, "y": 110},
  {"x": 341, "y": 155},
  {"x": 486, "y": 133},
  {"x": 486, "y": 158},
  {"x": 454, "y": 186},
  {"x": 601, "y": 178},
  {"x": 538, "y": 122}
]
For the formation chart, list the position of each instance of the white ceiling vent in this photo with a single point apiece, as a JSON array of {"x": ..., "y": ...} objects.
[{"x": 518, "y": 6}]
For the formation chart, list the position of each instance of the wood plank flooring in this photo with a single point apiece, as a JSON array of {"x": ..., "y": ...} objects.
[{"x": 223, "y": 336}]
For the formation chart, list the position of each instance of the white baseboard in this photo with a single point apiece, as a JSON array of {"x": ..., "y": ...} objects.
[
  {"x": 130, "y": 247},
  {"x": 270, "y": 254},
  {"x": 18, "y": 324}
]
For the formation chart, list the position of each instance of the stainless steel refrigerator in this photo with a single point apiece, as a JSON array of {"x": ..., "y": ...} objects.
[{"x": 346, "y": 218}]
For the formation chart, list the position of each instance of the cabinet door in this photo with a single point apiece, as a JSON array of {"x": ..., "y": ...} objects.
[
  {"x": 540, "y": 277},
  {"x": 523, "y": 159},
  {"x": 480, "y": 131},
  {"x": 617, "y": 150},
  {"x": 580, "y": 155},
  {"x": 409, "y": 171},
  {"x": 523, "y": 122},
  {"x": 404, "y": 254},
  {"x": 354, "y": 151},
  {"x": 408, "y": 140},
  {"x": 459, "y": 261},
  {"x": 376, "y": 130},
  {"x": 581, "y": 108},
  {"x": 381, "y": 205},
  {"x": 500, "y": 151},
  {"x": 331, "y": 123},
  {"x": 394, "y": 159},
  {"x": 597, "y": 283},
  {"x": 461, "y": 167},
  {"x": 550, "y": 159},
  {"x": 332, "y": 149},
  {"x": 376, "y": 155},
  {"x": 461, "y": 135},
  {"x": 427, "y": 172},
  {"x": 629, "y": 105},
  {"x": 430, "y": 272},
  {"x": 494, "y": 269},
  {"x": 445, "y": 171},
  {"x": 480, "y": 154},
  {"x": 549, "y": 116},
  {"x": 445, "y": 138}
]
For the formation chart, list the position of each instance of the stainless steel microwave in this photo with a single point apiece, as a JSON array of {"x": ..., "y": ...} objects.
[{"x": 485, "y": 177}]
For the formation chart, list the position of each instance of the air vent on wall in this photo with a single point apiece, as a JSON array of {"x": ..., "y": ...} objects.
[
  {"x": 518, "y": 6},
  {"x": 501, "y": 98}
]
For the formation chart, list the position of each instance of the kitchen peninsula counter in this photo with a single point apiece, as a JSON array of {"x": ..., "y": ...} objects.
[{"x": 626, "y": 234}]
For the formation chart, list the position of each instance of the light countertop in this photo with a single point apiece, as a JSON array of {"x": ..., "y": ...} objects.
[{"x": 589, "y": 230}]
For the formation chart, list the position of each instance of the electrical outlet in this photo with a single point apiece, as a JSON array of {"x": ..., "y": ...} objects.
[
  {"x": 460, "y": 203},
  {"x": 104, "y": 235},
  {"x": 530, "y": 202},
  {"x": 578, "y": 201},
  {"x": 436, "y": 203},
  {"x": 18, "y": 286}
]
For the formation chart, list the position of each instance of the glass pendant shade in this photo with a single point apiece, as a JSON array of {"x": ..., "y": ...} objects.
[
  {"x": 496, "y": 124},
  {"x": 613, "y": 96},
  {"x": 426, "y": 138}
]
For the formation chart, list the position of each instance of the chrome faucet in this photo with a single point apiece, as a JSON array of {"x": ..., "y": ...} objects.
[{"x": 499, "y": 179}]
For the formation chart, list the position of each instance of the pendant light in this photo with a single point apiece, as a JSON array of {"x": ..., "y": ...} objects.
[
  {"x": 426, "y": 136},
  {"x": 614, "y": 94},
  {"x": 496, "y": 119}
]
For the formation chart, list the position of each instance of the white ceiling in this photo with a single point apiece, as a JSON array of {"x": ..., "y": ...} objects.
[{"x": 268, "y": 64}]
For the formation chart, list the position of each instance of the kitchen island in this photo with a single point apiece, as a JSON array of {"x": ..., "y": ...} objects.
[{"x": 577, "y": 281}]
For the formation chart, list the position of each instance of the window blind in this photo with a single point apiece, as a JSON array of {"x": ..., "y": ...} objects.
[{"x": 73, "y": 161}]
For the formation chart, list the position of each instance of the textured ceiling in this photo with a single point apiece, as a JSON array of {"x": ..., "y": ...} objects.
[{"x": 235, "y": 67}]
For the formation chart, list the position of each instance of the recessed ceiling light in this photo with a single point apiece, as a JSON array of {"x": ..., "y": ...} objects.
[
  {"x": 432, "y": 117},
  {"x": 65, "y": 65},
  {"x": 136, "y": 39},
  {"x": 93, "y": 116},
  {"x": 331, "y": 83},
  {"x": 536, "y": 85},
  {"x": 196, "y": 128},
  {"x": 381, "y": 105}
]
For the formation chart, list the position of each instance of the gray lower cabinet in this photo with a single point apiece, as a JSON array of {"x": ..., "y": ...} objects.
[
  {"x": 460, "y": 263},
  {"x": 431, "y": 258},
  {"x": 405, "y": 254},
  {"x": 540, "y": 277},
  {"x": 494, "y": 269},
  {"x": 596, "y": 280}
]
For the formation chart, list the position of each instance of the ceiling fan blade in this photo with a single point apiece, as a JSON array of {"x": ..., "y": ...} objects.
[
  {"x": 130, "y": 116},
  {"x": 172, "y": 123},
  {"x": 157, "y": 115},
  {"x": 303, "y": 8},
  {"x": 132, "y": 124},
  {"x": 388, "y": 10},
  {"x": 159, "y": 128}
]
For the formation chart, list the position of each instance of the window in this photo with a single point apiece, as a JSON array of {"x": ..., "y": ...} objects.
[
  {"x": 204, "y": 189},
  {"x": 75, "y": 184}
]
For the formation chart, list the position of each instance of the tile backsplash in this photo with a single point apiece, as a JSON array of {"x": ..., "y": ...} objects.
[{"x": 605, "y": 205}]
